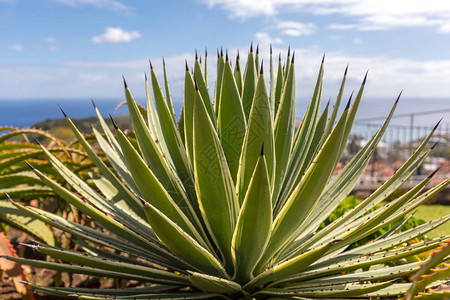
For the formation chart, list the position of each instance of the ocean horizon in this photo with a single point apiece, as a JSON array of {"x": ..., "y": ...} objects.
[{"x": 26, "y": 112}]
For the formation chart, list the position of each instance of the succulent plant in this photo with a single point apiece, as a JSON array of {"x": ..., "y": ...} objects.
[{"x": 228, "y": 201}]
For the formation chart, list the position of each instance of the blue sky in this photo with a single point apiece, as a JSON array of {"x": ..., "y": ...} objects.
[{"x": 65, "y": 49}]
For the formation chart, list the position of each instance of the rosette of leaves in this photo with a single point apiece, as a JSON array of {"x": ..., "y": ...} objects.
[{"x": 227, "y": 202}]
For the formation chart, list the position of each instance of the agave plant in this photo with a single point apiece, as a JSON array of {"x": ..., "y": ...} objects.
[{"x": 228, "y": 201}]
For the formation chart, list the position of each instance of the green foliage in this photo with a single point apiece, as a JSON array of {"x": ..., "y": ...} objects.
[
  {"x": 229, "y": 203},
  {"x": 403, "y": 224}
]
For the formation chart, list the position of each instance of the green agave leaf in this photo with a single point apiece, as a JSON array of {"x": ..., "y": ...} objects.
[
  {"x": 172, "y": 136},
  {"x": 344, "y": 291},
  {"x": 305, "y": 195},
  {"x": 79, "y": 185},
  {"x": 152, "y": 156},
  {"x": 380, "y": 245},
  {"x": 26, "y": 222},
  {"x": 188, "y": 112},
  {"x": 278, "y": 87},
  {"x": 26, "y": 192},
  {"x": 167, "y": 90},
  {"x": 218, "y": 89},
  {"x": 62, "y": 267},
  {"x": 117, "y": 161},
  {"x": 231, "y": 122},
  {"x": 84, "y": 259},
  {"x": 272, "y": 84},
  {"x": 13, "y": 180},
  {"x": 238, "y": 74},
  {"x": 250, "y": 78},
  {"x": 128, "y": 199},
  {"x": 61, "y": 291},
  {"x": 259, "y": 132},
  {"x": 284, "y": 132},
  {"x": 359, "y": 262},
  {"x": 385, "y": 273},
  {"x": 290, "y": 267},
  {"x": 152, "y": 252},
  {"x": 383, "y": 191},
  {"x": 203, "y": 89},
  {"x": 214, "y": 184},
  {"x": 165, "y": 295},
  {"x": 342, "y": 184},
  {"x": 181, "y": 244},
  {"x": 154, "y": 125},
  {"x": 337, "y": 104},
  {"x": 153, "y": 191},
  {"x": 257, "y": 66},
  {"x": 213, "y": 284},
  {"x": 254, "y": 223},
  {"x": 302, "y": 142},
  {"x": 105, "y": 221}
]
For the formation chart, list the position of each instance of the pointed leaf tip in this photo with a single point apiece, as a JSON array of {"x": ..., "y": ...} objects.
[
  {"x": 143, "y": 202},
  {"x": 279, "y": 57},
  {"x": 113, "y": 122},
  {"x": 432, "y": 147},
  {"x": 36, "y": 141},
  {"x": 150, "y": 62},
  {"x": 93, "y": 103},
  {"x": 271, "y": 49},
  {"x": 22, "y": 282},
  {"x": 346, "y": 69},
  {"x": 432, "y": 174},
  {"x": 189, "y": 272},
  {"x": 221, "y": 51},
  {"x": 262, "y": 149},
  {"x": 398, "y": 98},
  {"x": 145, "y": 76},
  {"x": 323, "y": 58},
  {"x": 226, "y": 55},
  {"x": 289, "y": 51},
  {"x": 7, "y": 196},
  {"x": 365, "y": 78},
  {"x": 237, "y": 56},
  {"x": 262, "y": 69},
  {"x": 28, "y": 164},
  {"x": 349, "y": 101},
  {"x": 124, "y": 82},
  {"x": 187, "y": 67},
  {"x": 206, "y": 52},
  {"x": 62, "y": 111},
  {"x": 437, "y": 125},
  {"x": 195, "y": 82},
  {"x": 257, "y": 49},
  {"x": 251, "y": 47},
  {"x": 293, "y": 56},
  {"x": 163, "y": 61}
]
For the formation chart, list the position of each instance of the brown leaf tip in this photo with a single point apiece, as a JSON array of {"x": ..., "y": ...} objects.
[
  {"x": 113, "y": 122},
  {"x": 125, "y": 82},
  {"x": 62, "y": 111},
  {"x": 365, "y": 78}
]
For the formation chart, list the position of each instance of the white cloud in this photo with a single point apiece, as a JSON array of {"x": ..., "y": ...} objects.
[
  {"x": 106, "y": 4},
  {"x": 17, "y": 47},
  {"x": 50, "y": 40},
  {"x": 296, "y": 28},
  {"x": 264, "y": 39},
  {"x": 367, "y": 14},
  {"x": 116, "y": 35},
  {"x": 102, "y": 79}
]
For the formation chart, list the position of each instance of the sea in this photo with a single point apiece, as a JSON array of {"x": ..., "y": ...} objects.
[{"x": 420, "y": 113}]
